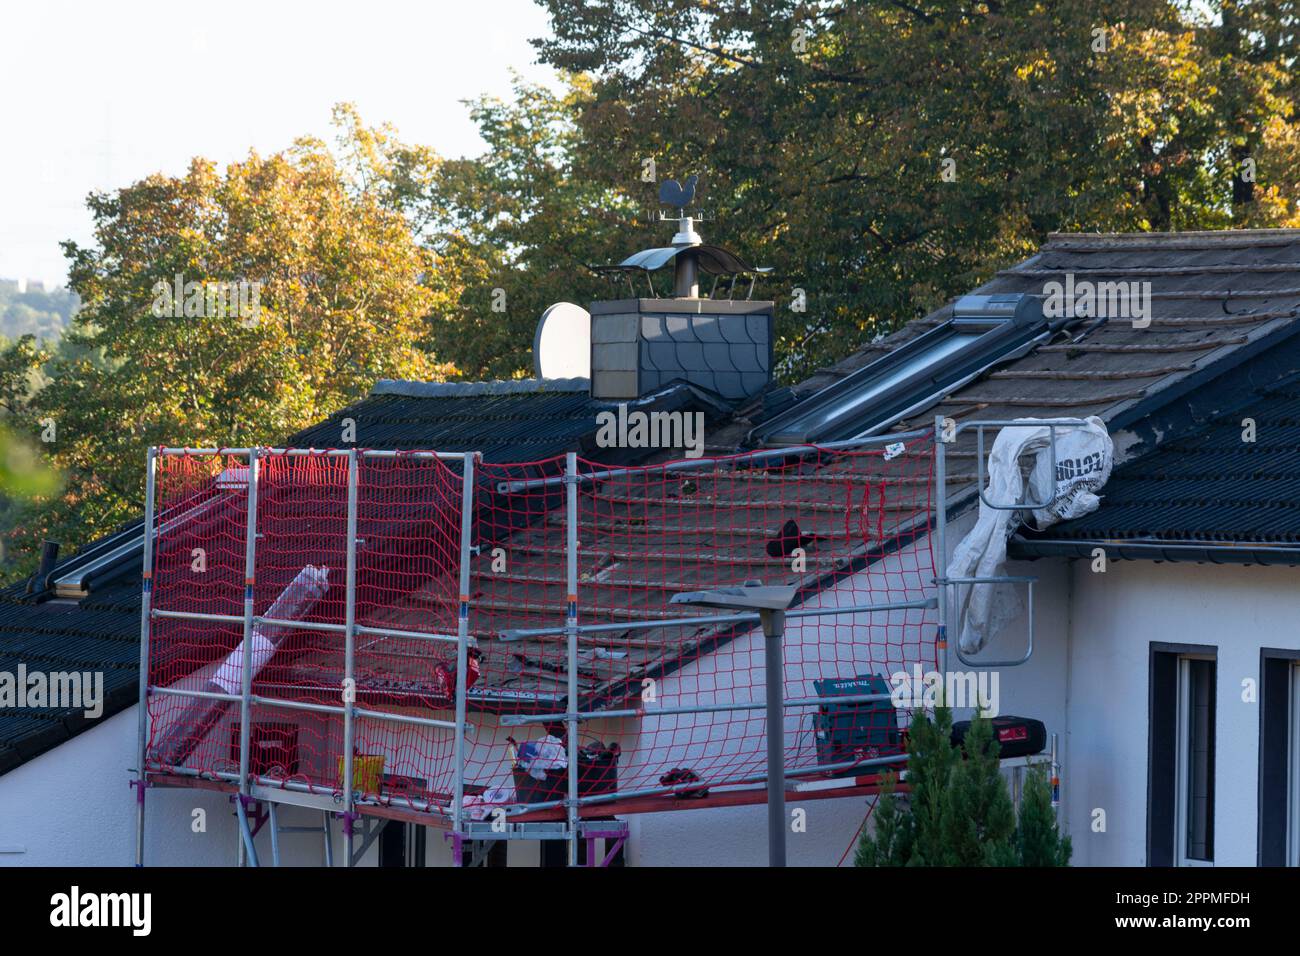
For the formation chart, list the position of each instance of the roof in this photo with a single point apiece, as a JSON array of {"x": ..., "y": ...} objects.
[
  {"x": 644, "y": 534},
  {"x": 506, "y": 421},
  {"x": 1216, "y": 299},
  {"x": 1208, "y": 495},
  {"x": 100, "y": 634},
  {"x": 1219, "y": 300},
  {"x": 1212, "y": 294}
]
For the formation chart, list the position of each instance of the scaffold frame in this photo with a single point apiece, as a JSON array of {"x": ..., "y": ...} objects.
[{"x": 528, "y": 821}]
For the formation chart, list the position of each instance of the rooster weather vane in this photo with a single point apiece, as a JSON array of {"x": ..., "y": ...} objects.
[{"x": 672, "y": 193}]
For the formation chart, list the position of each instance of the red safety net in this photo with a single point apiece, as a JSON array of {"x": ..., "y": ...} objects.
[
  {"x": 407, "y": 561},
  {"x": 847, "y": 528}
]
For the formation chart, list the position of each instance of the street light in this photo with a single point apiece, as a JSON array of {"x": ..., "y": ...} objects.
[{"x": 771, "y": 603}]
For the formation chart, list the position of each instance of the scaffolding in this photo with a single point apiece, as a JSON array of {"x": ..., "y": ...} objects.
[{"x": 445, "y": 557}]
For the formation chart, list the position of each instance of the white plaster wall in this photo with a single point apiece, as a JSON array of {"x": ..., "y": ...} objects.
[
  {"x": 72, "y": 806},
  {"x": 1114, "y": 618},
  {"x": 818, "y": 647}
]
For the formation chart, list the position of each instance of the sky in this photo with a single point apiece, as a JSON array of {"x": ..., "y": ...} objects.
[{"x": 98, "y": 95}]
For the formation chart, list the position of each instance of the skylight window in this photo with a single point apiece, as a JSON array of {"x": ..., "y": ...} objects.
[{"x": 983, "y": 330}]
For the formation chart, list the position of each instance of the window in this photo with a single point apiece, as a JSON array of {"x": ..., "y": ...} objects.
[
  {"x": 1180, "y": 821},
  {"x": 983, "y": 330},
  {"x": 1279, "y": 758},
  {"x": 1195, "y": 768}
]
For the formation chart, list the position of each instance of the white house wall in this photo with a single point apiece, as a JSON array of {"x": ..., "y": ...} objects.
[
  {"x": 1115, "y": 617},
  {"x": 738, "y": 836}
]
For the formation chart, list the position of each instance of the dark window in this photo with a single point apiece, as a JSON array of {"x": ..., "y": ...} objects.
[
  {"x": 1279, "y": 758},
  {"x": 1197, "y": 759},
  {"x": 486, "y": 853},
  {"x": 1181, "y": 759},
  {"x": 402, "y": 844}
]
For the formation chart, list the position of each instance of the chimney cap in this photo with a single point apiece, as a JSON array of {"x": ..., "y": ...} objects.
[{"x": 712, "y": 259}]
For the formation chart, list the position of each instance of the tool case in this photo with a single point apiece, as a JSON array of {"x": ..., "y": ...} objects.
[
  {"x": 854, "y": 731},
  {"x": 1016, "y": 736}
]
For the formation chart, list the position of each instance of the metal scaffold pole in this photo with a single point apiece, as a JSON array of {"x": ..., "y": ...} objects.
[
  {"x": 571, "y": 638},
  {"x": 462, "y": 647},
  {"x": 774, "y": 669},
  {"x": 349, "y": 660},
  {"x": 941, "y": 537},
  {"x": 246, "y": 670},
  {"x": 146, "y": 597}
]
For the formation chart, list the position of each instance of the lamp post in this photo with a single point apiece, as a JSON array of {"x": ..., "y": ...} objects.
[{"x": 771, "y": 603}]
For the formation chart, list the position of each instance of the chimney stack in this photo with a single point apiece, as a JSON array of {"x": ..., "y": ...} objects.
[{"x": 723, "y": 345}]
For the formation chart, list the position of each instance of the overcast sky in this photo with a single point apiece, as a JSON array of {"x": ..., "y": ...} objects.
[{"x": 97, "y": 95}]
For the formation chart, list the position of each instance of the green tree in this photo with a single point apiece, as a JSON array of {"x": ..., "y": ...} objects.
[
  {"x": 884, "y": 156},
  {"x": 515, "y": 229},
  {"x": 890, "y": 844},
  {"x": 1039, "y": 841},
  {"x": 342, "y": 300},
  {"x": 980, "y": 824},
  {"x": 959, "y": 811}
]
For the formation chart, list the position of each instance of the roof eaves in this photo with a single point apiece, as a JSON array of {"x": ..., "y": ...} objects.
[{"x": 1128, "y": 549}]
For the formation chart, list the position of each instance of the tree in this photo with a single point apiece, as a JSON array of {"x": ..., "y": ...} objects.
[
  {"x": 334, "y": 297},
  {"x": 26, "y": 482},
  {"x": 979, "y": 827},
  {"x": 1038, "y": 838},
  {"x": 959, "y": 811},
  {"x": 892, "y": 841},
  {"x": 518, "y": 226},
  {"x": 884, "y": 156}
]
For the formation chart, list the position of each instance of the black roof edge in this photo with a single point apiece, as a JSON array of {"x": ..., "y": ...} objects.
[
  {"x": 1273, "y": 365},
  {"x": 1200, "y": 552}
]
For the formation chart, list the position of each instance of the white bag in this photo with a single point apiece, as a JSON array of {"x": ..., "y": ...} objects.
[{"x": 1084, "y": 457}]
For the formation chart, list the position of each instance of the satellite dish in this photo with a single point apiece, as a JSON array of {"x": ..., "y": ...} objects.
[{"x": 562, "y": 345}]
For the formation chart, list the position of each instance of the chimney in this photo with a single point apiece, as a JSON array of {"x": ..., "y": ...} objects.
[{"x": 718, "y": 343}]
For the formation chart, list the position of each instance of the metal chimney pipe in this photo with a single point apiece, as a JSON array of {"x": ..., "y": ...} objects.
[
  {"x": 686, "y": 276},
  {"x": 49, "y": 558},
  {"x": 686, "y": 267}
]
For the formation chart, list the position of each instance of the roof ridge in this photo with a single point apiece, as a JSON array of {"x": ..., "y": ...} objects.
[
  {"x": 519, "y": 386},
  {"x": 1277, "y": 232}
]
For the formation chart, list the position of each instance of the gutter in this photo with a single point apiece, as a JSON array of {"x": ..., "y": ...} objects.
[{"x": 1137, "y": 549}]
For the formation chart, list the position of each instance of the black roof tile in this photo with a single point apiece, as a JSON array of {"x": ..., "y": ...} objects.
[{"x": 1207, "y": 487}]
